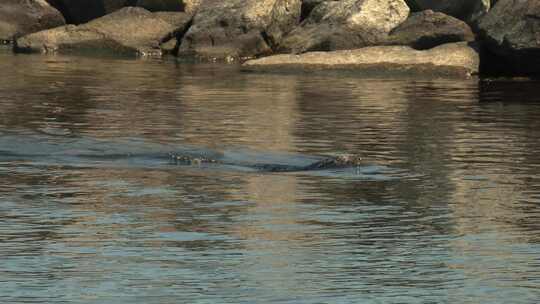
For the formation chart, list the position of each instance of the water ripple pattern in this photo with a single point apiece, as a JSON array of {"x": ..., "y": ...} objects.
[{"x": 445, "y": 208}]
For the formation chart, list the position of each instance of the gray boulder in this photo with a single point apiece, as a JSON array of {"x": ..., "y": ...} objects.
[
  {"x": 466, "y": 10},
  {"x": 454, "y": 59},
  {"x": 512, "y": 32},
  {"x": 131, "y": 30},
  {"x": 82, "y": 11},
  {"x": 428, "y": 29},
  {"x": 239, "y": 28},
  {"x": 21, "y": 17},
  {"x": 346, "y": 24}
]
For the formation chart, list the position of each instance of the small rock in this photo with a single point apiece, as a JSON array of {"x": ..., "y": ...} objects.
[{"x": 453, "y": 59}]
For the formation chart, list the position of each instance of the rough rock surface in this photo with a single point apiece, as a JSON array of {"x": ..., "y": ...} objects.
[
  {"x": 131, "y": 30},
  {"x": 466, "y": 10},
  {"x": 21, "y": 17},
  {"x": 512, "y": 32},
  {"x": 346, "y": 24},
  {"x": 239, "y": 28},
  {"x": 82, "y": 11},
  {"x": 453, "y": 59},
  {"x": 428, "y": 29}
]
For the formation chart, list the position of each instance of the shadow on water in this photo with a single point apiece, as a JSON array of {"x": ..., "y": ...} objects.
[{"x": 92, "y": 209}]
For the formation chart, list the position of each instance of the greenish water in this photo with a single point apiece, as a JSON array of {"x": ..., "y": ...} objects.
[{"x": 446, "y": 208}]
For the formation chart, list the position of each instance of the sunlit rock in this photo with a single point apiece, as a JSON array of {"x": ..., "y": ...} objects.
[
  {"x": 347, "y": 24},
  {"x": 239, "y": 28},
  {"x": 131, "y": 30},
  {"x": 453, "y": 59}
]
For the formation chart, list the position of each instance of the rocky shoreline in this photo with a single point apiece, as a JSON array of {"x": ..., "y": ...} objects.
[{"x": 453, "y": 37}]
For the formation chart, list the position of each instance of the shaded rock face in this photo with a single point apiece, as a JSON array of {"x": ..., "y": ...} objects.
[
  {"x": 428, "y": 29},
  {"x": 346, "y": 24},
  {"x": 512, "y": 33},
  {"x": 453, "y": 59},
  {"x": 131, "y": 30},
  {"x": 21, "y": 17},
  {"x": 187, "y": 6},
  {"x": 239, "y": 28},
  {"x": 161, "y": 5},
  {"x": 82, "y": 11},
  {"x": 466, "y": 10},
  {"x": 309, "y": 5}
]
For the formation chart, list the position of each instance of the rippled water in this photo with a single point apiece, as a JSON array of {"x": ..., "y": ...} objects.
[{"x": 446, "y": 208}]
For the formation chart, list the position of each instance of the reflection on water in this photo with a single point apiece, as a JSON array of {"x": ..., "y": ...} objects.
[{"x": 452, "y": 217}]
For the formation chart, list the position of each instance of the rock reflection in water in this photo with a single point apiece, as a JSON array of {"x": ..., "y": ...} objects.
[{"x": 459, "y": 224}]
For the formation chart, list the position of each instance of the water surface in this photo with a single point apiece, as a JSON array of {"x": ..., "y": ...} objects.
[{"x": 446, "y": 208}]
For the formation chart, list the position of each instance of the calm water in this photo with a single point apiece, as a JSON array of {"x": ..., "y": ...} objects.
[{"x": 446, "y": 208}]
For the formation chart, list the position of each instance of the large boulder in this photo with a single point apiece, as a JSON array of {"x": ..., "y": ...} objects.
[
  {"x": 82, "y": 11},
  {"x": 239, "y": 28},
  {"x": 131, "y": 30},
  {"x": 512, "y": 32},
  {"x": 346, "y": 24},
  {"x": 467, "y": 10},
  {"x": 21, "y": 17},
  {"x": 428, "y": 29},
  {"x": 454, "y": 59}
]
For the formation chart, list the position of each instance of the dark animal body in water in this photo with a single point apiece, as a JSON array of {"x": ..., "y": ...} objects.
[{"x": 336, "y": 162}]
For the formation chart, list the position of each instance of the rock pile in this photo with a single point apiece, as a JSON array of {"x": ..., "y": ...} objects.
[{"x": 410, "y": 35}]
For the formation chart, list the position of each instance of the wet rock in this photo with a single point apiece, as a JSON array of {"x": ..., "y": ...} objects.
[
  {"x": 466, "y": 10},
  {"x": 239, "y": 28},
  {"x": 453, "y": 59},
  {"x": 512, "y": 33},
  {"x": 82, "y": 11},
  {"x": 21, "y": 17},
  {"x": 131, "y": 30},
  {"x": 346, "y": 24},
  {"x": 428, "y": 29}
]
